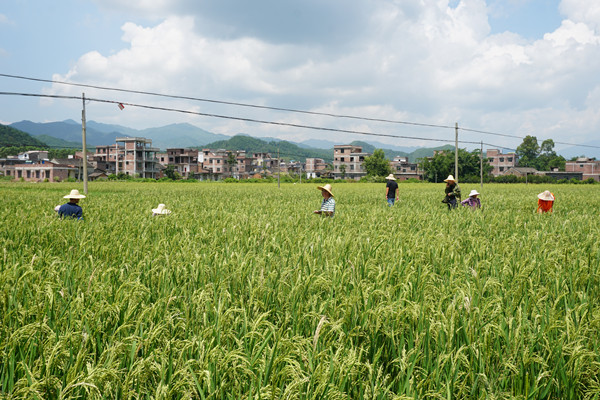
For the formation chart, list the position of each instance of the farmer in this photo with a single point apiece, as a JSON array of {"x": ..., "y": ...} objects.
[
  {"x": 391, "y": 190},
  {"x": 328, "y": 204},
  {"x": 545, "y": 202},
  {"x": 160, "y": 210},
  {"x": 472, "y": 201},
  {"x": 72, "y": 209},
  {"x": 452, "y": 191}
]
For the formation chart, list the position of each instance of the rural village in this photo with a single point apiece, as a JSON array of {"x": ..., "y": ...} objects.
[{"x": 136, "y": 157}]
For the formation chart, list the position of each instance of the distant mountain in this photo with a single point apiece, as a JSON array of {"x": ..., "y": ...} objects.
[
  {"x": 180, "y": 135},
  {"x": 369, "y": 148},
  {"x": 56, "y": 143},
  {"x": 97, "y": 134},
  {"x": 108, "y": 128},
  {"x": 11, "y": 137},
  {"x": 68, "y": 130},
  {"x": 326, "y": 144},
  {"x": 427, "y": 152},
  {"x": 287, "y": 150},
  {"x": 412, "y": 156}
]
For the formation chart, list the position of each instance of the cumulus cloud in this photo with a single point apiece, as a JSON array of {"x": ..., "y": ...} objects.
[
  {"x": 431, "y": 62},
  {"x": 585, "y": 11}
]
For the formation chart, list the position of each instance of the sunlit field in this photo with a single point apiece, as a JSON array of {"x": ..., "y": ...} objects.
[{"x": 243, "y": 293}]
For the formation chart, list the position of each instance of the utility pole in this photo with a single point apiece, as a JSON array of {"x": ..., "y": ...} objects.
[
  {"x": 278, "y": 170},
  {"x": 85, "y": 175},
  {"x": 481, "y": 165},
  {"x": 456, "y": 152}
]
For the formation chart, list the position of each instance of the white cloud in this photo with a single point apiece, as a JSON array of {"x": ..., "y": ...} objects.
[
  {"x": 585, "y": 11},
  {"x": 414, "y": 61}
]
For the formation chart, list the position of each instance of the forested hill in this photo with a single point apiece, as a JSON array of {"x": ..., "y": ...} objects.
[
  {"x": 11, "y": 137},
  {"x": 287, "y": 150}
]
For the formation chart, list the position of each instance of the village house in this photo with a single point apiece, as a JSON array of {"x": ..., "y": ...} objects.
[
  {"x": 348, "y": 162},
  {"x": 589, "y": 167},
  {"x": 187, "y": 162},
  {"x": 315, "y": 167},
  {"x": 521, "y": 171},
  {"x": 402, "y": 169},
  {"x": 33, "y": 156},
  {"x": 40, "y": 171},
  {"x": 139, "y": 157},
  {"x": 106, "y": 158},
  {"x": 500, "y": 162}
]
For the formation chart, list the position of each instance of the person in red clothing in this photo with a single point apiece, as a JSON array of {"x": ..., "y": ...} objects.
[{"x": 545, "y": 202}]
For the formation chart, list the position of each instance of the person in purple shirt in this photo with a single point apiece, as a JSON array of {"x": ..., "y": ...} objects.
[
  {"x": 72, "y": 209},
  {"x": 472, "y": 201}
]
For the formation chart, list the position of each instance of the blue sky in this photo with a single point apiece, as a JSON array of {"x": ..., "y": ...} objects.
[{"x": 517, "y": 67}]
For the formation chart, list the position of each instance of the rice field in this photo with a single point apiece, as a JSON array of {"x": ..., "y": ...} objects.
[{"x": 243, "y": 293}]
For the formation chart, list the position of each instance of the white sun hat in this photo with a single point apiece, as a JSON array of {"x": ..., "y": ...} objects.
[
  {"x": 546, "y": 195},
  {"x": 390, "y": 176},
  {"x": 74, "y": 195},
  {"x": 161, "y": 210},
  {"x": 474, "y": 193},
  {"x": 450, "y": 178}
]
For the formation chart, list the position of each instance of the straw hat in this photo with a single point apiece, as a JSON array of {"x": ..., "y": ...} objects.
[
  {"x": 450, "y": 178},
  {"x": 390, "y": 176},
  {"x": 326, "y": 188},
  {"x": 546, "y": 195},
  {"x": 161, "y": 210},
  {"x": 474, "y": 193},
  {"x": 74, "y": 195}
]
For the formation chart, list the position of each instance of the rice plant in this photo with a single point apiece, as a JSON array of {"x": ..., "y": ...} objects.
[{"x": 243, "y": 293}]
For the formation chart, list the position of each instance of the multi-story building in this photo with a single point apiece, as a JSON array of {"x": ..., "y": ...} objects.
[
  {"x": 348, "y": 162},
  {"x": 500, "y": 162},
  {"x": 244, "y": 166},
  {"x": 315, "y": 167},
  {"x": 186, "y": 161},
  {"x": 217, "y": 162},
  {"x": 589, "y": 167},
  {"x": 402, "y": 169},
  {"x": 139, "y": 157},
  {"x": 107, "y": 156}
]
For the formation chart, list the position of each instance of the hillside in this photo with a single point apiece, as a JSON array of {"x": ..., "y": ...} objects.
[
  {"x": 13, "y": 137},
  {"x": 287, "y": 150},
  {"x": 56, "y": 143}
]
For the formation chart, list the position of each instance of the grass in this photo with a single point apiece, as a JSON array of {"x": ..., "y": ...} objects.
[{"x": 243, "y": 293}]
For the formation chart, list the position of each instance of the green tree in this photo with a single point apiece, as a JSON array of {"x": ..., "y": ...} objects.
[
  {"x": 441, "y": 165},
  {"x": 171, "y": 173},
  {"x": 528, "y": 152},
  {"x": 548, "y": 159},
  {"x": 231, "y": 161},
  {"x": 377, "y": 164},
  {"x": 343, "y": 170}
]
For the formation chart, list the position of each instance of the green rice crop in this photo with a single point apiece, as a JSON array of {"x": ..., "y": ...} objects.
[{"x": 243, "y": 293}]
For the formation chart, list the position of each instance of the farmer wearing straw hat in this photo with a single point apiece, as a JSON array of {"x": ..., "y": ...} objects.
[
  {"x": 72, "y": 209},
  {"x": 328, "y": 204},
  {"x": 472, "y": 201},
  {"x": 160, "y": 210},
  {"x": 452, "y": 192},
  {"x": 545, "y": 202},
  {"x": 391, "y": 190}
]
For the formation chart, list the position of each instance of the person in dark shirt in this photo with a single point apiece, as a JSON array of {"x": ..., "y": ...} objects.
[
  {"x": 72, "y": 209},
  {"x": 452, "y": 191},
  {"x": 391, "y": 190}
]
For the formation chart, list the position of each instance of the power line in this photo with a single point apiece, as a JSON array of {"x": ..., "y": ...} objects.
[
  {"x": 270, "y": 108},
  {"x": 237, "y": 118},
  {"x": 228, "y": 102}
]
